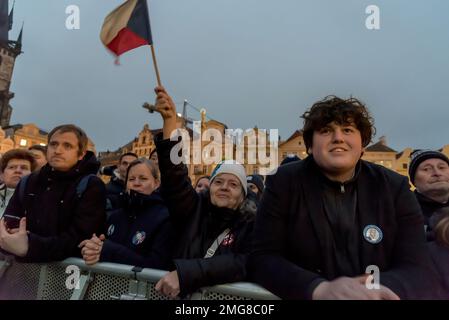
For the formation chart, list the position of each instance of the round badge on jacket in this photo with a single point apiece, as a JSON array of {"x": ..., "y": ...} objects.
[
  {"x": 372, "y": 234},
  {"x": 139, "y": 237}
]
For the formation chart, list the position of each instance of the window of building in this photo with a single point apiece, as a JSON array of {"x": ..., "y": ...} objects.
[
  {"x": 405, "y": 166},
  {"x": 23, "y": 142}
]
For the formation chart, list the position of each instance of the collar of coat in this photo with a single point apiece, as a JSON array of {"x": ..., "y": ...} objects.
[
  {"x": 367, "y": 184},
  {"x": 428, "y": 205}
]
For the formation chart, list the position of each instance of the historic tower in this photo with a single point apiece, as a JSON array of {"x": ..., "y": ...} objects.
[{"x": 9, "y": 50}]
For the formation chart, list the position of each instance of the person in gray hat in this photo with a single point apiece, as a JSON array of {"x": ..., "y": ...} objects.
[{"x": 214, "y": 227}]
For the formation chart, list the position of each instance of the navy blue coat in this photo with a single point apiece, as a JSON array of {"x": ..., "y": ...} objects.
[{"x": 140, "y": 233}]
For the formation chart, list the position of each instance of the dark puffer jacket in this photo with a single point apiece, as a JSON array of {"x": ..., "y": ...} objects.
[{"x": 57, "y": 219}]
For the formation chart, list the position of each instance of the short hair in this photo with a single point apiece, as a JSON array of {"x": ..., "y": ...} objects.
[
  {"x": 19, "y": 154},
  {"x": 38, "y": 147},
  {"x": 342, "y": 112},
  {"x": 79, "y": 133},
  {"x": 131, "y": 154},
  {"x": 149, "y": 163}
]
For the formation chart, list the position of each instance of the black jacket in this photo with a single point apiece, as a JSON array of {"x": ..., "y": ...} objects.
[
  {"x": 294, "y": 242},
  {"x": 57, "y": 220},
  {"x": 433, "y": 212},
  {"x": 198, "y": 224},
  {"x": 115, "y": 188},
  {"x": 429, "y": 207},
  {"x": 440, "y": 257},
  {"x": 140, "y": 233}
]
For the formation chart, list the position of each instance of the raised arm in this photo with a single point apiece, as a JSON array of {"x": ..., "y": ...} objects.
[{"x": 176, "y": 187}]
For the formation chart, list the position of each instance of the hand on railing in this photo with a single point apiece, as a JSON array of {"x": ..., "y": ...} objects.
[
  {"x": 169, "y": 285},
  {"x": 91, "y": 249}
]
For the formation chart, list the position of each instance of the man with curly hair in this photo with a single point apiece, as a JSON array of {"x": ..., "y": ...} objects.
[{"x": 324, "y": 221}]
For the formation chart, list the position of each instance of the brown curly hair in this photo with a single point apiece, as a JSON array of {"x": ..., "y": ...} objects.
[
  {"x": 340, "y": 111},
  {"x": 19, "y": 154}
]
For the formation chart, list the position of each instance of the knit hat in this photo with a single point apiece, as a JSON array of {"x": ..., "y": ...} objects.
[
  {"x": 256, "y": 180},
  {"x": 290, "y": 158},
  {"x": 231, "y": 167},
  {"x": 419, "y": 156}
]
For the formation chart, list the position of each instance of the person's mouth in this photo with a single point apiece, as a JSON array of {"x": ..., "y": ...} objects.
[{"x": 338, "y": 149}]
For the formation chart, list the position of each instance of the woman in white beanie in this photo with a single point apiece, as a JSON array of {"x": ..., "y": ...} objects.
[{"x": 214, "y": 227}]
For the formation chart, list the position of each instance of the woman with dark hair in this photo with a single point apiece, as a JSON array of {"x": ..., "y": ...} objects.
[{"x": 139, "y": 233}]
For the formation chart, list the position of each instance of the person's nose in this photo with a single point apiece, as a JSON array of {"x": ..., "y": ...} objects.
[
  {"x": 225, "y": 186},
  {"x": 337, "y": 136},
  {"x": 437, "y": 172},
  {"x": 58, "y": 149},
  {"x": 136, "y": 183}
]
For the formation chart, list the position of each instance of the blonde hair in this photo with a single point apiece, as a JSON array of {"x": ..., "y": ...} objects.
[{"x": 149, "y": 163}]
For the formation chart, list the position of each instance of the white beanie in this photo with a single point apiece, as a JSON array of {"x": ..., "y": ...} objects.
[{"x": 231, "y": 167}]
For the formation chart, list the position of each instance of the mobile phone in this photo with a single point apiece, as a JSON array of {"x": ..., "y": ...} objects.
[{"x": 12, "y": 222}]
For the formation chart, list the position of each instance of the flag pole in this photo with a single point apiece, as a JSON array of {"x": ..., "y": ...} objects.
[{"x": 155, "y": 66}]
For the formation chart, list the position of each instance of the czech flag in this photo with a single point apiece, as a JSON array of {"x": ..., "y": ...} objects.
[{"x": 127, "y": 27}]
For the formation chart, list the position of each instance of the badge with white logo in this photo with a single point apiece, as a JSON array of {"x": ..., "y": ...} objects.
[
  {"x": 372, "y": 234},
  {"x": 111, "y": 230},
  {"x": 139, "y": 237}
]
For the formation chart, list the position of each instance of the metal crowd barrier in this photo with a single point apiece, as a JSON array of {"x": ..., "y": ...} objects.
[{"x": 72, "y": 279}]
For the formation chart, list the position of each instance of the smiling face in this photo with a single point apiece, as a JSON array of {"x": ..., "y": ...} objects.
[
  {"x": 337, "y": 149},
  {"x": 226, "y": 191}
]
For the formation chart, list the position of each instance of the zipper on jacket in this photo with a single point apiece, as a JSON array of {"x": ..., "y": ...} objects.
[{"x": 342, "y": 188}]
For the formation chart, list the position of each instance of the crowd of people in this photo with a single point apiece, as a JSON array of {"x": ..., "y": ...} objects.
[{"x": 311, "y": 230}]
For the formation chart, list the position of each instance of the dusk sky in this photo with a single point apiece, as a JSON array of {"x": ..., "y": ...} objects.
[{"x": 248, "y": 62}]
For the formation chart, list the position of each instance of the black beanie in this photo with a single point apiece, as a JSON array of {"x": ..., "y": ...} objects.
[
  {"x": 419, "y": 156},
  {"x": 257, "y": 180},
  {"x": 290, "y": 158}
]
